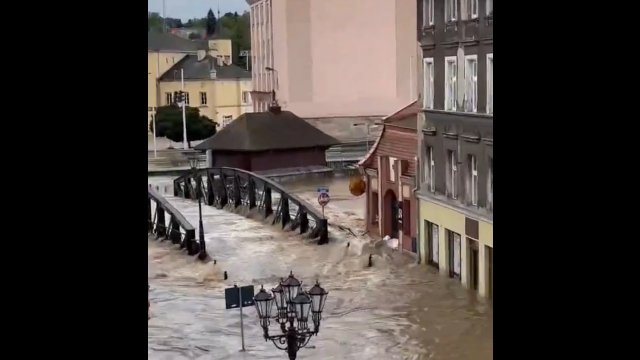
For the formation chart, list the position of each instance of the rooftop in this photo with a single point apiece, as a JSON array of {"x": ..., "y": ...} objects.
[
  {"x": 195, "y": 69},
  {"x": 170, "y": 42},
  {"x": 259, "y": 131}
]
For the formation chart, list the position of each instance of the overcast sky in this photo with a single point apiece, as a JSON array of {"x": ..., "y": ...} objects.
[{"x": 188, "y": 9}]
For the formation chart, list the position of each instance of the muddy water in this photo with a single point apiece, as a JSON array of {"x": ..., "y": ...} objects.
[{"x": 395, "y": 310}]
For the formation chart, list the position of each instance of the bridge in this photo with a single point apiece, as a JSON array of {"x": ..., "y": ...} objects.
[{"x": 231, "y": 188}]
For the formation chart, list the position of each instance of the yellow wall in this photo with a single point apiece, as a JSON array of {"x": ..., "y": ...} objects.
[
  {"x": 162, "y": 61},
  {"x": 229, "y": 98},
  {"x": 224, "y": 97},
  {"x": 193, "y": 88},
  {"x": 449, "y": 219},
  {"x": 222, "y": 47}
]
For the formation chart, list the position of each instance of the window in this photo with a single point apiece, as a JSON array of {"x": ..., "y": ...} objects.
[
  {"x": 392, "y": 169},
  {"x": 427, "y": 13},
  {"x": 489, "y": 83},
  {"x": 451, "y": 83},
  {"x": 489, "y": 6},
  {"x": 473, "y": 172},
  {"x": 428, "y": 83},
  {"x": 203, "y": 98},
  {"x": 472, "y": 8},
  {"x": 186, "y": 98},
  {"x": 406, "y": 216},
  {"x": 433, "y": 243},
  {"x": 226, "y": 119},
  {"x": 168, "y": 98},
  {"x": 431, "y": 168},
  {"x": 455, "y": 250},
  {"x": 471, "y": 80},
  {"x": 245, "y": 97},
  {"x": 452, "y": 167},
  {"x": 490, "y": 186},
  {"x": 450, "y": 10}
]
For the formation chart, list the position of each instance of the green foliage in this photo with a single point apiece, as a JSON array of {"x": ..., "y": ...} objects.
[
  {"x": 211, "y": 23},
  {"x": 169, "y": 124}
]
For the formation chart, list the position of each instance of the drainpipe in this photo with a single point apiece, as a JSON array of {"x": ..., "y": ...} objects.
[{"x": 414, "y": 191}]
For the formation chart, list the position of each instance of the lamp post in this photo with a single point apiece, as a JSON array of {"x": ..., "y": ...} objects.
[
  {"x": 153, "y": 118},
  {"x": 292, "y": 304},
  {"x": 274, "y": 83},
  {"x": 193, "y": 162}
]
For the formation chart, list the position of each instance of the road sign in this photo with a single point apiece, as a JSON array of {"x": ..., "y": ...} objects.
[
  {"x": 323, "y": 197},
  {"x": 239, "y": 297},
  {"x": 235, "y": 295}
]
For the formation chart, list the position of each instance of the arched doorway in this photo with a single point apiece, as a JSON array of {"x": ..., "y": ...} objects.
[{"x": 390, "y": 212}]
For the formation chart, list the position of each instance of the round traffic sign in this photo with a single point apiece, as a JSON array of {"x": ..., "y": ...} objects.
[{"x": 323, "y": 199}]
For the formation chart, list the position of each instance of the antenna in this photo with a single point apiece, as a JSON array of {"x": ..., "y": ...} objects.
[
  {"x": 164, "y": 16},
  {"x": 218, "y": 9}
]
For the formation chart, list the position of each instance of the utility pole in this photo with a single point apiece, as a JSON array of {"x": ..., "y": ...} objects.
[{"x": 185, "y": 143}]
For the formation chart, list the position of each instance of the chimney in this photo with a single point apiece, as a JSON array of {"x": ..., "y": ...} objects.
[
  {"x": 201, "y": 54},
  {"x": 274, "y": 108},
  {"x": 212, "y": 68}
]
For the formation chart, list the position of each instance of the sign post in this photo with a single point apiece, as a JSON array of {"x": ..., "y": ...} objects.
[
  {"x": 239, "y": 297},
  {"x": 323, "y": 198}
]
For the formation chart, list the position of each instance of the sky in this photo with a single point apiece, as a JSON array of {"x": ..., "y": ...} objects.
[{"x": 188, "y": 9}]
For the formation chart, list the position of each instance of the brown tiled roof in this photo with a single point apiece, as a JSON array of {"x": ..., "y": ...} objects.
[
  {"x": 260, "y": 131},
  {"x": 399, "y": 139}
]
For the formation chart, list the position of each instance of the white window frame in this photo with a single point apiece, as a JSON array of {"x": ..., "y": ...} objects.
[
  {"x": 203, "y": 98},
  {"x": 489, "y": 107},
  {"x": 432, "y": 168},
  {"x": 474, "y": 179},
  {"x": 450, "y": 104},
  {"x": 471, "y": 83},
  {"x": 488, "y": 7},
  {"x": 186, "y": 98},
  {"x": 427, "y": 13},
  {"x": 450, "y": 11},
  {"x": 470, "y": 8},
  {"x": 226, "y": 120},
  {"x": 454, "y": 173},
  {"x": 428, "y": 83},
  {"x": 168, "y": 98},
  {"x": 392, "y": 170}
]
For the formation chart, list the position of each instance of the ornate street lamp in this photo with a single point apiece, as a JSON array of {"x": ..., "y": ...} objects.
[
  {"x": 193, "y": 162},
  {"x": 292, "y": 304}
]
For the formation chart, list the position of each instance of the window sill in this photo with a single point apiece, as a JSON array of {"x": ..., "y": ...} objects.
[{"x": 203, "y": 106}]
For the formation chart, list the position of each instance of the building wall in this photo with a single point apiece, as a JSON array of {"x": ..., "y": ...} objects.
[
  {"x": 221, "y": 48},
  {"x": 193, "y": 88},
  {"x": 278, "y": 159},
  {"x": 157, "y": 64},
  {"x": 449, "y": 219},
  {"x": 268, "y": 160},
  {"x": 229, "y": 99},
  {"x": 325, "y": 53}
]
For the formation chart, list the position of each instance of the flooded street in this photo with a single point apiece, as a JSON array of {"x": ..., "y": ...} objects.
[{"x": 394, "y": 310}]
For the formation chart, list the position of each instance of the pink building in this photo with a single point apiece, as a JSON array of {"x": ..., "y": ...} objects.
[{"x": 335, "y": 62}]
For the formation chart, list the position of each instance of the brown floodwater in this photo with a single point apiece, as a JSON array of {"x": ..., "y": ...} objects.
[{"x": 394, "y": 310}]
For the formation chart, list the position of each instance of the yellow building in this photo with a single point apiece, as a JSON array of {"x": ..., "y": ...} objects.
[
  {"x": 212, "y": 83},
  {"x": 220, "y": 91}
]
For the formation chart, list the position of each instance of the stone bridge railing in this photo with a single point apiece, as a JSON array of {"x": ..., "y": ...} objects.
[
  {"x": 178, "y": 229},
  {"x": 223, "y": 187}
]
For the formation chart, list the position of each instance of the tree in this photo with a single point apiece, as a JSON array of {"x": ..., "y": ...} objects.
[
  {"x": 169, "y": 124},
  {"x": 211, "y": 23}
]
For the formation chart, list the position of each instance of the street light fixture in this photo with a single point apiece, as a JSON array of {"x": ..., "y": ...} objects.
[
  {"x": 292, "y": 304},
  {"x": 193, "y": 162}
]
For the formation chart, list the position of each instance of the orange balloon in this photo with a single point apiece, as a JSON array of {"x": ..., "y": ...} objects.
[{"x": 357, "y": 186}]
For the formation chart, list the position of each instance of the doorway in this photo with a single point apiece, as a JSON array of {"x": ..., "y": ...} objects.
[
  {"x": 391, "y": 213},
  {"x": 474, "y": 266}
]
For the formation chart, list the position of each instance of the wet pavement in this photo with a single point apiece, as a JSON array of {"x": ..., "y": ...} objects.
[{"x": 394, "y": 310}]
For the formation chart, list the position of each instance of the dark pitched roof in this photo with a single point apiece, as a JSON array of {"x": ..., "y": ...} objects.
[
  {"x": 169, "y": 42},
  {"x": 199, "y": 70},
  {"x": 267, "y": 131}
]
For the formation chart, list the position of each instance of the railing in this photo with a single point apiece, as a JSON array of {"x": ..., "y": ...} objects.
[
  {"x": 236, "y": 187},
  {"x": 178, "y": 230}
]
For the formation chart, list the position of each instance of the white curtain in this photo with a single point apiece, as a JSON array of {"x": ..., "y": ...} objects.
[{"x": 434, "y": 242}]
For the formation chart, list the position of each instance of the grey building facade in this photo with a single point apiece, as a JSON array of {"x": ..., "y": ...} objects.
[{"x": 455, "y": 142}]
